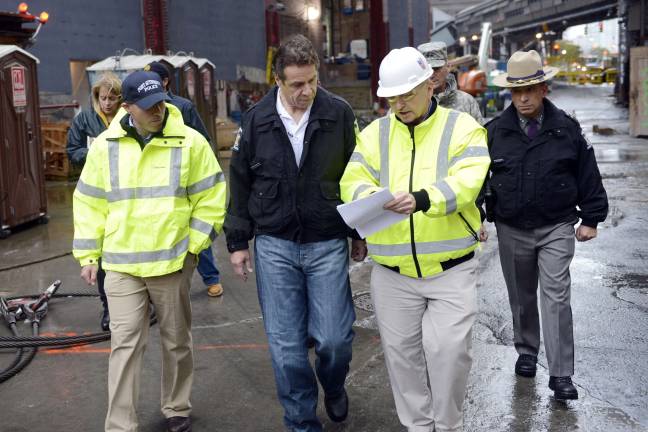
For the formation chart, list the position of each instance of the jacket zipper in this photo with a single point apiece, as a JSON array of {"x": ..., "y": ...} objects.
[{"x": 411, "y": 183}]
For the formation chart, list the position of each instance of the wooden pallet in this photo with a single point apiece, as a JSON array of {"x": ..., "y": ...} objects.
[{"x": 57, "y": 165}]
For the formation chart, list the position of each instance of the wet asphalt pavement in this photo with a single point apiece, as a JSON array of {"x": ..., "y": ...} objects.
[{"x": 234, "y": 387}]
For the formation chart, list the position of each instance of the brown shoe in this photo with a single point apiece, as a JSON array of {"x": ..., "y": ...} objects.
[
  {"x": 179, "y": 424},
  {"x": 215, "y": 290}
]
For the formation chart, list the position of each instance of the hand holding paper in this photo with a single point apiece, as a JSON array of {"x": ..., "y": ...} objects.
[{"x": 368, "y": 216}]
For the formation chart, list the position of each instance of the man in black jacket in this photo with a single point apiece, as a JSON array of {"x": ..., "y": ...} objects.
[
  {"x": 286, "y": 165},
  {"x": 206, "y": 261},
  {"x": 542, "y": 170}
]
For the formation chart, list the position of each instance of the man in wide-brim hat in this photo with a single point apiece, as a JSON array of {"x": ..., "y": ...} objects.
[
  {"x": 524, "y": 69},
  {"x": 544, "y": 179}
]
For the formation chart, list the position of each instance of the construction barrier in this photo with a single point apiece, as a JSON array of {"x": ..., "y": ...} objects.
[{"x": 591, "y": 76}]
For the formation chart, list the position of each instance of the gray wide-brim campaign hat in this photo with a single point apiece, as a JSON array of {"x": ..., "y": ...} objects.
[
  {"x": 524, "y": 68},
  {"x": 436, "y": 53}
]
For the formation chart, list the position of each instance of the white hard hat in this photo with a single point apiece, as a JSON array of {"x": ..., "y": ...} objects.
[{"x": 401, "y": 70}]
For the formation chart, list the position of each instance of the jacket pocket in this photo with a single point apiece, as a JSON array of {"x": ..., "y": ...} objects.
[
  {"x": 111, "y": 227},
  {"x": 558, "y": 189},
  {"x": 264, "y": 205},
  {"x": 327, "y": 215},
  {"x": 504, "y": 183}
]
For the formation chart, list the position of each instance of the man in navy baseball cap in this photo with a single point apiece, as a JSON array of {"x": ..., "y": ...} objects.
[
  {"x": 159, "y": 68},
  {"x": 143, "y": 89},
  {"x": 144, "y": 100}
]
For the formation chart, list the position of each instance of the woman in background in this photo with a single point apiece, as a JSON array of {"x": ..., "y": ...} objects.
[{"x": 86, "y": 126}]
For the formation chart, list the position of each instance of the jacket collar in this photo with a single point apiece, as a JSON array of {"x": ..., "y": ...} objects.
[
  {"x": 322, "y": 107},
  {"x": 173, "y": 126},
  {"x": 450, "y": 91},
  {"x": 553, "y": 117},
  {"x": 432, "y": 110}
]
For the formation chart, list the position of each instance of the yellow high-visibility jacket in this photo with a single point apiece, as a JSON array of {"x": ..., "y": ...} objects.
[
  {"x": 447, "y": 156},
  {"x": 142, "y": 210}
]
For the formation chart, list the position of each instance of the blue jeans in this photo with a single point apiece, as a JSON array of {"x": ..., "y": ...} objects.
[
  {"x": 207, "y": 267},
  {"x": 304, "y": 293}
]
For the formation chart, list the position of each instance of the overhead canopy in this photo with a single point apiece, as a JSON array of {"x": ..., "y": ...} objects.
[
  {"x": 136, "y": 62},
  {"x": 124, "y": 65}
]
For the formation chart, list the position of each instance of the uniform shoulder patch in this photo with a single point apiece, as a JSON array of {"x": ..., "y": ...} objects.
[
  {"x": 236, "y": 147},
  {"x": 571, "y": 116},
  {"x": 588, "y": 144}
]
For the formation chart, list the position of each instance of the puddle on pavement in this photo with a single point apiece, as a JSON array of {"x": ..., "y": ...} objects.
[
  {"x": 619, "y": 155},
  {"x": 631, "y": 288},
  {"x": 630, "y": 280}
]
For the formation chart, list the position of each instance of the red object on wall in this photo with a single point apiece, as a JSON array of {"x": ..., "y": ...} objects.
[
  {"x": 272, "y": 28},
  {"x": 378, "y": 40},
  {"x": 155, "y": 25}
]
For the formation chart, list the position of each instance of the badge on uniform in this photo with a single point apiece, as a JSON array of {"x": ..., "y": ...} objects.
[
  {"x": 235, "y": 147},
  {"x": 587, "y": 141}
]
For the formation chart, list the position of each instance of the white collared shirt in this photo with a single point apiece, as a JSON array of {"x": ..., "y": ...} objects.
[{"x": 296, "y": 131}]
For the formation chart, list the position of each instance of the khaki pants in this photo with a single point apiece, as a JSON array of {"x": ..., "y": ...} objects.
[
  {"x": 128, "y": 302},
  {"x": 426, "y": 333}
]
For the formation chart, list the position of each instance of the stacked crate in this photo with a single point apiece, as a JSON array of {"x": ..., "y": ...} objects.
[{"x": 57, "y": 164}]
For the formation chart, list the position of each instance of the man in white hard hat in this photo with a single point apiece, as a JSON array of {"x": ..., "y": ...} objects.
[
  {"x": 544, "y": 178},
  {"x": 434, "y": 161}
]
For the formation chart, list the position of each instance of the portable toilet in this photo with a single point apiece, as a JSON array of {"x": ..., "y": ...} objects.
[
  {"x": 22, "y": 180},
  {"x": 186, "y": 72},
  {"x": 207, "y": 101}
]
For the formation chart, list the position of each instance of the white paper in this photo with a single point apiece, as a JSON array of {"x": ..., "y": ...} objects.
[{"x": 367, "y": 215}]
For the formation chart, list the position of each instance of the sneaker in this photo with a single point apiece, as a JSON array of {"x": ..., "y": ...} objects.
[{"x": 215, "y": 290}]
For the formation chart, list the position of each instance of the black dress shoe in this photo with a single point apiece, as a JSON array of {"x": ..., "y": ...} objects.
[
  {"x": 563, "y": 387},
  {"x": 526, "y": 365},
  {"x": 105, "y": 320},
  {"x": 179, "y": 424},
  {"x": 337, "y": 408},
  {"x": 310, "y": 343}
]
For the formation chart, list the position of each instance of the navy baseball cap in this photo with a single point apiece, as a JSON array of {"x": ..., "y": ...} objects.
[
  {"x": 143, "y": 89},
  {"x": 158, "y": 68}
]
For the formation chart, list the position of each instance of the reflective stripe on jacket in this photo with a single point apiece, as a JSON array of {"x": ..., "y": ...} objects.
[
  {"x": 142, "y": 210},
  {"x": 446, "y": 155}
]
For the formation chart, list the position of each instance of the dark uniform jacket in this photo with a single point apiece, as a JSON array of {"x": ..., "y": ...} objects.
[
  {"x": 270, "y": 194},
  {"x": 542, "y": 181},
  {"x": 87, "y": 124},
  {"x": 190, "y": 115}
]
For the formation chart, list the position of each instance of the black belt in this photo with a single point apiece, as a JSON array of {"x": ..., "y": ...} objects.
[{"x": 445, "y": 265}]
